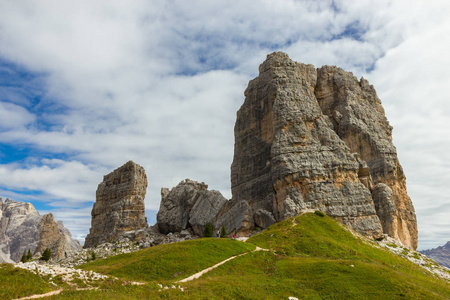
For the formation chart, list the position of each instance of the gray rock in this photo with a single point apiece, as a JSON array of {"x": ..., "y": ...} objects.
[
  {"x": 264, "y": 218},
  {"x": 119, "y": 205},
  {"x": 175, "y": 207},
  {"x": 206, "y": 210},
  {"x": 237, "y": 220},
  {"x": 23, "y": 229},
  {"x": 189, "y": 205},
  {"x": 54, "y": 236},
  {"x": 305, "y": 139},
  {"x": 185, "y": 233},
  {"x": 295, "y": 139},
  {"x": 359, "y": 120}
]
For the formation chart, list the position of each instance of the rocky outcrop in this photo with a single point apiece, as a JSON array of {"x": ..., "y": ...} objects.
[
  {"x": 189, "y": 205},
  {"x": 358, "y": 119},
  {"x": 308, "y": 138},
  {"x": 440, "y": 254},
  {"x": 23, "y": 229},
  {"x": 129, "y": 241},
  {"x": 54, "y": 236},
  {"x": 119, "y": 205}
]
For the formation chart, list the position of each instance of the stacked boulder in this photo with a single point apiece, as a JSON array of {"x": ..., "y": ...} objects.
[{"x": 190, "y": 206}]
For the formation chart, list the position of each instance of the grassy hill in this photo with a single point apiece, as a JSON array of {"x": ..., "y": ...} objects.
[
  {"x": 310, "y": 257},
  {"x": 169, "y": 262},
  {"x": 15, "y": 283}
]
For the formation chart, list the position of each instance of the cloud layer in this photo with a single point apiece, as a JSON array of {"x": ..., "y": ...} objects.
[{"x": 87, "y": 86}]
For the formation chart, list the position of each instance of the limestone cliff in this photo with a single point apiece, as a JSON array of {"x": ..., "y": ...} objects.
[
  {"x": 308, "y": 138},
  {"x": 23, "y": 229},
  {"x": 119, "y": 205}
]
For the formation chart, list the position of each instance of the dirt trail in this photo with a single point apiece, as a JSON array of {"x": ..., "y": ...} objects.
[
  {"x": 56, "y": 292},
  {"x": 52, "y": 293},
  {"x": 197, "y": 275},
  {"x": 190, "y": 278}
]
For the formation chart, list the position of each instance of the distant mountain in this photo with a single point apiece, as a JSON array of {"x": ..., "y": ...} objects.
[
  {"x": 440, "y": 254},
  {"x": 22, "y": 228}
]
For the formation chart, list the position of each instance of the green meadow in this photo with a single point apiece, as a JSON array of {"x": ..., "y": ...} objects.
[{"x": 309, "y": 257}]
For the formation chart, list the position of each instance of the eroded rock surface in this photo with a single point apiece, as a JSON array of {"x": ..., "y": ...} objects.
[
  {"x": 308, "y": 138},
  {"x": 23, "y": 229},
  {"x": 119, "y": 205},
  {"x": 359, "y": 120},
  {"x": 189, "y": 205},
  {"x": 54, "y": 236}
]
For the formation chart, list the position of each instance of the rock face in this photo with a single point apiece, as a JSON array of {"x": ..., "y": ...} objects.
[
  {"x": 119, "y": 205},
  {"x": 359, "y": 120},
  {"x": 440, "y": 254},
  {"x": 22, "y": 228},
  {"x": 54, "y": 236},
  {"x": 189, "y": 205},
  {"x": 308, "y": 138}
]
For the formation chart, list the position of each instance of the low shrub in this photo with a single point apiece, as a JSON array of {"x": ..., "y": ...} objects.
[
  {"x": 319, "y": 213},
  {"x": 223, "y": 232},
  {"x": 208, "y": 230}
]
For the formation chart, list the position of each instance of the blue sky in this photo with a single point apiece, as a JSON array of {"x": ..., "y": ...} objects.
[{"x": 85, "y": 87}]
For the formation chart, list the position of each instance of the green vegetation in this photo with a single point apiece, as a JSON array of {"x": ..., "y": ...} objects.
[
  {"x": 26, "y": 256},
  {"x": 319, "y": 213},
  {"x": 17, "y": 283},
  {"x": 169, "y": 262},
  {"x": 391, "y": 245},
  {"x": 92, "y": 256},
  {"x": 46, "y": 255},
  {"x": 223, "y": 232},
  {"x": 311, "y": 257},
  {"x": 208, "y": 230}
]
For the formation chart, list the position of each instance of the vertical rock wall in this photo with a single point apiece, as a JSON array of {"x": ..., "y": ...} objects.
[
  {"x": 119, "y": 205},
  {"x": 358, "y": 118},
  {"x": 318, "y": 139}
]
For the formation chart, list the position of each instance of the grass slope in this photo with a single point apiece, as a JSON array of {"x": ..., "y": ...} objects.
[
  {"x": 17, "y": 283},
  {"x": 310, "y": 257},
  {"x": 169, "y": 262}
]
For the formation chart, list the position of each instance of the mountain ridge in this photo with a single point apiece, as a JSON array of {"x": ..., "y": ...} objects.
[{"x": 22, "y": 228}]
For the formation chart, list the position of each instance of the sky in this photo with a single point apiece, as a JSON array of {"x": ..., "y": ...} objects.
[{"x": 86, "y": 86}]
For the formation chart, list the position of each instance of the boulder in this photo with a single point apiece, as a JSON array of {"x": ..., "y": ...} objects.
[
  {"x": 189, "y": 205},
  {"x": 238, "y": 219},
  {"x": 264, "y": 218}
]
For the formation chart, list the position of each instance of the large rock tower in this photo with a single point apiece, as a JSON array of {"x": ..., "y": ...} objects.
[{"x": 308, "y": 138}]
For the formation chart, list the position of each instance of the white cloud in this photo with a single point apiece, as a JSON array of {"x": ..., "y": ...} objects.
[
  {"x": 413, "y": 83},
  {"x": 160, "y": 83},
  {"x": 14, "y": 116},
  {"x": 68, "y": 181}
]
